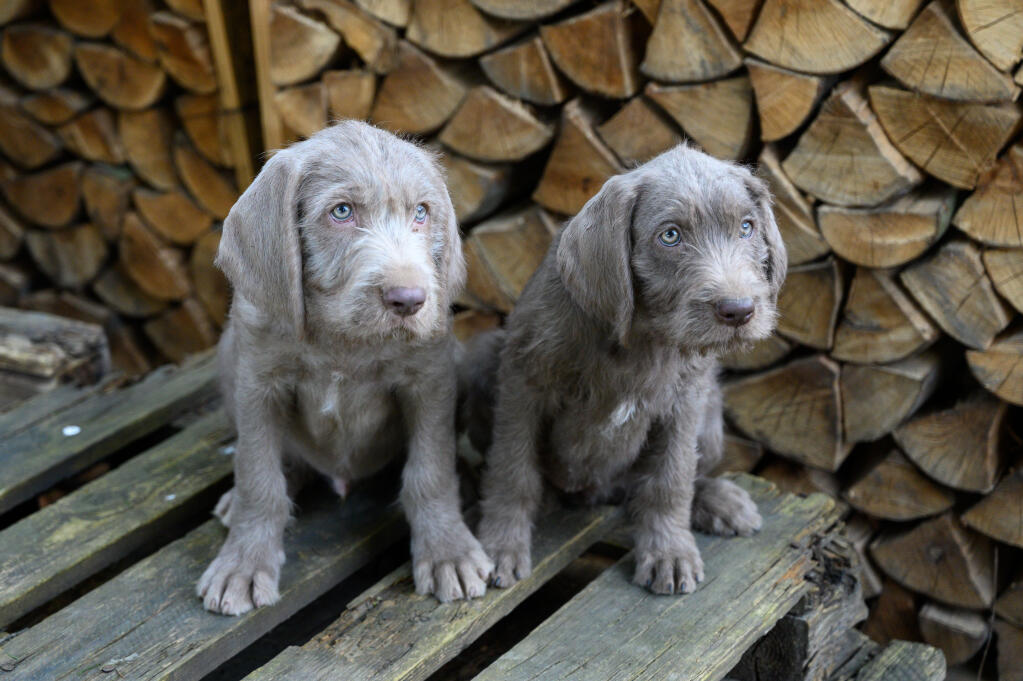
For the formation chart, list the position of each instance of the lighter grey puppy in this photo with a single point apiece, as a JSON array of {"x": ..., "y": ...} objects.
[
  {"x": 344, "y": 257},
  {"x": 607, "y": 370}
]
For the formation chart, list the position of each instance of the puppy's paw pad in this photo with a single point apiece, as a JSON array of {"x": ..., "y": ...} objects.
[
  {"x": 511, "y": 564},
  {"x": 674, "y": 571},
  {"x": 230, "y": 586},
  {"x": 721, "y": 507},
  {"x": 454, "y": 571}
]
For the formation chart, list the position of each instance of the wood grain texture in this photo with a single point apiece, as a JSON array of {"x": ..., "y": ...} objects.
[
  {"x": 887, "y": 13},
  {"x": 995, "y": 27},
  {"x": 709, "y": 51},
  {"x": 894, "y": 489},
  {"x": 419, "y": 95},
  {"x": 489, "y": 126},
  {"x": 809, "y": 302},
  {"x": 717, "y": 115},
  {"x": 524, "y": 70},
  {"x": 792, "y": 210},
  {"x": 878, "y": 398},
  {"x": 456, "y": 28},
  {"x": 1000, "y": 367},
  {"x": 637, "y": 132},
  {"x": 785, "y": 99},
  {"x": 999, "y": 515},
  {"x": 993, "y": 213}
]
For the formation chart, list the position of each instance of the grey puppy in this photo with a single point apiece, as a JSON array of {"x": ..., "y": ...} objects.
[
  {"x": 607, "y": 369},
  {"x": 344, "y": 256}
]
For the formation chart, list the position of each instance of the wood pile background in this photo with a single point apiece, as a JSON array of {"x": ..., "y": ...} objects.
[{"x": 124, "y": 140}]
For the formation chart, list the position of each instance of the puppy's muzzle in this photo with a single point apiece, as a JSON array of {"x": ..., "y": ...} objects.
[
  {"x": 734, "y": 311},
  {"x": 404, "y": 301}
]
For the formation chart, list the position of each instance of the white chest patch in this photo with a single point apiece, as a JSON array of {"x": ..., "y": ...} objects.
[
  {"x": 622, "y": 414},
  {"x": 332, "y": 394}
]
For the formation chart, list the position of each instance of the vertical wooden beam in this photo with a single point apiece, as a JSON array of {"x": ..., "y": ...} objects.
[{"x": 273, "y": 128}]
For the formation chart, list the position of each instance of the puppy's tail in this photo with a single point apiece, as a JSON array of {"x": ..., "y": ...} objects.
[{"x": 477, "y": 386}]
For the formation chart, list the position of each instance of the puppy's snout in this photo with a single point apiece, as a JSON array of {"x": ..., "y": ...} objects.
[
  {"x": 404, "y": 301},
  {"x": 734, "y": 311}
]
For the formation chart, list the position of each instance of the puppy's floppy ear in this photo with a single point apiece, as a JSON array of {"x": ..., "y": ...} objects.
[
  {"x": 777, "y": 259},
  {"x": 595, "y": 253},
  {"x": 452, "y": 257},
  {"x": 260, "y": 251}
]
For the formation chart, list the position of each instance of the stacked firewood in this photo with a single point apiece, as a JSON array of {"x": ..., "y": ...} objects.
[
  {"x": 888, "y": 131},
  {"x": 122, "y": 149}
]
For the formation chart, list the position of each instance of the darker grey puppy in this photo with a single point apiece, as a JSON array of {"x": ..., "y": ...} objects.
[
  {"x": 607, "y": 370},
  {"x": 344, "y": 257}
]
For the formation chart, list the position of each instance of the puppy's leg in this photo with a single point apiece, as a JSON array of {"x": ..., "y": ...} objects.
[
  {"x": 447, "y": 560},
  {"x": 720, "y": 506},
  {"x": 512, "y": 483},
  {"x": 246, "y": 571},
  {"x": 296, "y": 472},
  {"x": 667, "y": 559}
]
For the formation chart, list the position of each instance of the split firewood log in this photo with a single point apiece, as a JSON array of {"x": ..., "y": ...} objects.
[
  {"x": 502, "y": 254},
  {"x": 993, "y": 213},
  {"x": 211, "y": 287},
  {"x": 760, "y": 355},
  {"x": 717, "y": 115},
  {"x": 958, "y": 633},
  {"x": 119, "y": 292},
  {"x": 200, "y": 116},
  {"x": 1009, "y": 605},
  {"x": 119, "y": 79},
  {"x": 14, "y": 279},
  {"x": 184, "y": 51},
  {"x": 893, "y": 616},
  {"x": 941, "y": 559},
  {"x": 859, "y": 530},
  {"x": 181, "y": 331},
  {"x": 738, "y": 15},
  {"x": 349, "y": 93},
  {"x": 22, "y": 140},
  {"x": 303, "y": 108},
  {"x": 211, "y": 188},
  {"x": 953, "y": 141},
  {"x": 477, "y": 189},
  {"x": 146, "y": 136},
  {"x": 12, "y": 233},
  {"x": 1000, "y": 367},
  {"x": 1010, "y": 651},
  {"x": 132, "y": 30},
  {"x": 36, "y": 55},
  {"x": 93, "y": 136},
  {"x": 155, "y": 267},
  {"x": 579, "y": 164},
  {"x": 638, "y": 132},
  {"x": 845, "y": 158},
  {"x": 814, "y": 36},
  {"x": 56, "y": 106},
  {"x": 887, "y": 13},
  {"x": 738, "y": 455},
  {"x": 997, "y": 515},
  {"x": 964, "y": 446},
  {"x": 468, "y": 323},
  {"x": 596, "y": 49},
  {"x": 798, "y": 479},
  {"x": 106, "y": 191},
  {"x": 522, "y": 9},
  {"x": 1005, "y": 268},
  {"x": 890, "y": 234},
  {"x": 785, "y": 99},
  {"x": 880, "y": 322},
  {"x": 456, "y": 28},
  {"x": 300, "y": 46},
  {"x": 877, "y": 398},
  {"x": 92, "y": 19},
  {"x": 172, "y": 215},
  {"x": 394, "y": 12},
  {"x": 49, "y": 197},
  {"x": 69, "y": 257},
  {"x": 894, "y": 489},
  {"x": 489, "y": 126},
  {"x": 954, "y": 289},
  {"x": 419, "y": 95},
  {"x": 795, "y": 410},
  {"x": 375, "y": 43},
  {"x": 793, "y": 212},
  {"x": 15, "y": 9},
  {"x": 524, "y": 70},
  {"x": 809, "y": 302},
  {"x": 709, "y": 51},
  {"x": 193, "y": 9},
  {"x": 995, "y": 28}
]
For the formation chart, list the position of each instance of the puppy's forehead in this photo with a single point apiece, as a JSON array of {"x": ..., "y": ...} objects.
[{"x": 688, "y": 182}]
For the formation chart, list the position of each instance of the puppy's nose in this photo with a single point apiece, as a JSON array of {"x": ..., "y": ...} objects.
[
  {"x": 734, "y": 311},
  {"x": 403, "y": 300}
]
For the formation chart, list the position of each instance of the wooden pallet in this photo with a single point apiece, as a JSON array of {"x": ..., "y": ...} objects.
[{"x": 141, "y": 619}]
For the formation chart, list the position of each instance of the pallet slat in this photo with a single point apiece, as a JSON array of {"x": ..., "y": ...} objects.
[
  {"x": 614, "y": 629},
  {"x": 392, "y": 633},
  {"x": 35, "y": 459},
  {"x": 62, "y": 544},
  {"x": 147, "y": 623}
]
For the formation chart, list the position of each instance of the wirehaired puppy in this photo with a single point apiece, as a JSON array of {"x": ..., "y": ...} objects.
[
  {"x": 344, "y": 257},
  {"x": 607, "y": 370}
]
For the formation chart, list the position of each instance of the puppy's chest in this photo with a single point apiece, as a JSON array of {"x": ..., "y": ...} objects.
[{"x": 334, "y": 399}]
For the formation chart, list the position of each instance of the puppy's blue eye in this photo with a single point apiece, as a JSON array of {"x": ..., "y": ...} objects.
[
  {"x": 670, "y": 236},
  {"x": 342, "y": 212},
  {"x": 746, "y": 229},
  {"x": 421, "y": 212}
]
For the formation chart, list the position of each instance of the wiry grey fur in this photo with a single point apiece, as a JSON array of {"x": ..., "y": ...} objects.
[
  {"x": 607, "y": 370},
  {"x": 318, "y": 372}
]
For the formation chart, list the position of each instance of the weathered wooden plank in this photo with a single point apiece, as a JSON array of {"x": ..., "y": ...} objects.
[
  {"x": 32, "y": 411},
  {"x": 62, "y": 544},
  {"x": 391, "y": 633},
  {"x": 905, "y": 661},
  {"x": 147, "y": 624},
  {"x": 77, "y": 437},
  {"x": 613, "y": 629}
]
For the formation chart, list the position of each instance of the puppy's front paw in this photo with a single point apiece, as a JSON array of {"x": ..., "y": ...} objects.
[
  {"x": 511, "y": 563},
  {"x": 235, "y": 583},
  {"x": 676, "y": 570},
  {"x": 451, "y": 567},
  {"x": 722, "y": 507}
]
